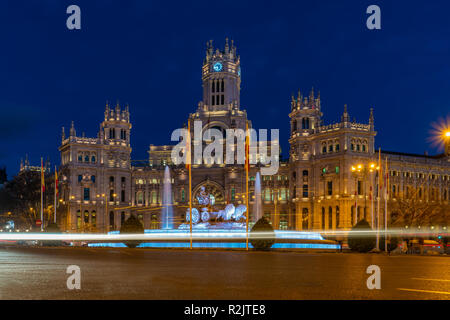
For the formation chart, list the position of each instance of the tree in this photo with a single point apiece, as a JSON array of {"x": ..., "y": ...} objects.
[
  {"x": 262, "y": 236},
  {"x": 360, "y": 238},
  {"x": 22, "y": 196},
  {"x": 3, "y": 175},
  {"x": 413, "y": 209},
  {"x": 132, "y": 226}
]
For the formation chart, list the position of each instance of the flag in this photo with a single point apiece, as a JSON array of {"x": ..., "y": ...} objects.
[
  {"x": 56, "y": 182},
  {"x": 42, "y": 176}
]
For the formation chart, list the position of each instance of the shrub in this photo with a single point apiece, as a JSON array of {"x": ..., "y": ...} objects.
[
  {"x": 52, "y": 228},
  {"x": 132, "y": 226},
  {"x": 392, "y": 243},
  {"x": 266, "y": 241},
  {"x": 361, "y": 242}
]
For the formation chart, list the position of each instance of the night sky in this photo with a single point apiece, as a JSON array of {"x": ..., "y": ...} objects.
[{"x": 149, "y": 54}]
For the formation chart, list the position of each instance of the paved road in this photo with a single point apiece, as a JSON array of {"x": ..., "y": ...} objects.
[{"x": 40, "y": 273}]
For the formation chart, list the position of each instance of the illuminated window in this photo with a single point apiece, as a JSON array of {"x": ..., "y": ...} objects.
[
  {"x": 94, "y": 219},
  {"x": 305, "y": 219}
]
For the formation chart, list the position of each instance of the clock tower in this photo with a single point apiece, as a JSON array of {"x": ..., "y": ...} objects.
[{"x": 221, "y": 76}]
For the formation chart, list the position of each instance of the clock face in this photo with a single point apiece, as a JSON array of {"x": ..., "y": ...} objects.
[{"x": 218, "y": 67}]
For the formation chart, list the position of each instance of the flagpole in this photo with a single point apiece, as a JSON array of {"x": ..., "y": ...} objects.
[
  {"x": 188, "y": 160},
  {"x": 56, "y": 193},
  {"x": 385, "y": 206},
  {"x": 378, "y": 198},
  {"x": 247, "y": 164},
  {"x": 42, "y": 195}
]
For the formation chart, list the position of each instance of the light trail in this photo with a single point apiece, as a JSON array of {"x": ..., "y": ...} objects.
[
  {"x": 176, "y": 234},
  {"x": 424, "y": 279},
  {"x": 424, "y": 291}
]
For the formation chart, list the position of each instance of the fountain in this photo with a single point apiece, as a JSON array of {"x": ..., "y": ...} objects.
[
  {"x": 224, "y": 227},
  {"x": 257, "y": 210},
  {"x": 167, "y": 209}
]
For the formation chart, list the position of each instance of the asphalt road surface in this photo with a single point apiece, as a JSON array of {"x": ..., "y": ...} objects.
[{"x": 40, "y": 273}]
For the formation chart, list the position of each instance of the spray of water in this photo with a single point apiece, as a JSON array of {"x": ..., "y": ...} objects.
[{"x": 167, "y": 208}]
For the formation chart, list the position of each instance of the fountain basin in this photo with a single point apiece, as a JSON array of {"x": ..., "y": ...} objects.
[{"x": 223, "y": 239}]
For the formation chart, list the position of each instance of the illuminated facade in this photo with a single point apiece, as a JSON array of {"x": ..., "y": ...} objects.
[{"x": 315, "y": 189}]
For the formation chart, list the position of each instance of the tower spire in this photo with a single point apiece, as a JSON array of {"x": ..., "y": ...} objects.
[
  {"x": 345, "y": 116},
  {"x": 73, "y": 133},
  {"x": 371, "y": 119}
]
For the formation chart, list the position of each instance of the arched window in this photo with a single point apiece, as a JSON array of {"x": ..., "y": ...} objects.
[
  {"x": 78, "y": 219},
  {"x": 267, "y": 194},
  {"x": 111, "y": 179},
  {"x": 323, "y": 218},
  {"x": 86, "y": 217},
  {"x": 324, "y": 149},
  {"x": 337, "y": 217},
  {"x": 213, "y": 100},
  {"x": 223, "y": 86},
  {"x": 111, "y": 220},
  {"x": 94, "y": 218},
  {"x": 140, "y": 197},
  {"x": 182, "y": 195},
  {"x": 86, "y": 158},
  {"x": 305, "y": 173},
  {"x": 222, "y": 100},
  {"x": 330, "y": 218},
  {"x": 294, "y": 125},
  {"x": 305, "y": 219}
]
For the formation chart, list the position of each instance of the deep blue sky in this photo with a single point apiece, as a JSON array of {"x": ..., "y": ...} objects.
[{"x": 149, "y": 54}]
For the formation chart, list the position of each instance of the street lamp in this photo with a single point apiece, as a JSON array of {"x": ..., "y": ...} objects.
[{"x": 364, "y": 170}]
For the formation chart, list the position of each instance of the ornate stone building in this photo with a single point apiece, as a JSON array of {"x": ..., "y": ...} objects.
[{"x": 329, "y": 181}]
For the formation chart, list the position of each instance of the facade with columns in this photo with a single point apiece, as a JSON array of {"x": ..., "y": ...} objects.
[{"x": 315, "y": 188}]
